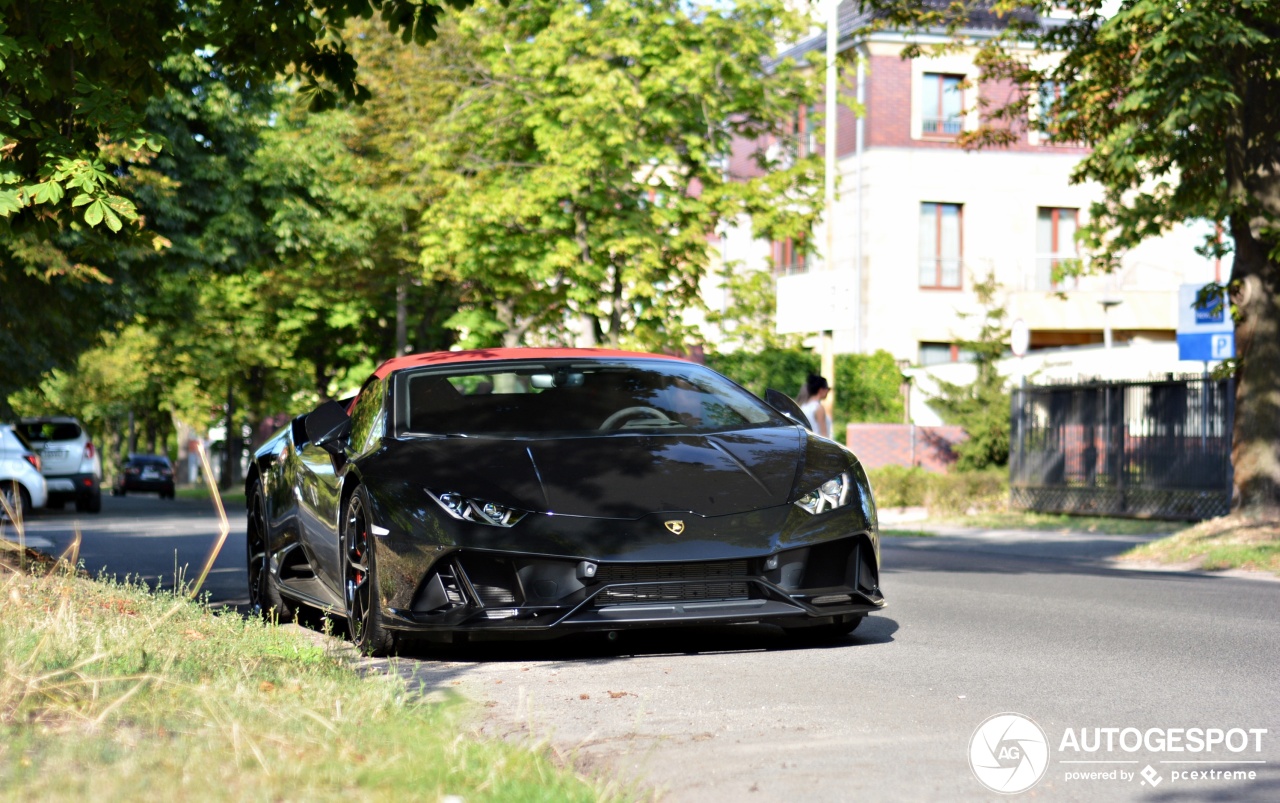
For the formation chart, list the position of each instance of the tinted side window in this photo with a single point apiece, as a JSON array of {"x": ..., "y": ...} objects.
[{"x": 368, "y": 417}]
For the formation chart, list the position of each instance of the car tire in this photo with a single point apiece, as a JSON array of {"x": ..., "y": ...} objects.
[
  {"x": 90, "y": 503},
  {"x": 59, "y": 505},
  {"x": 817, "y": 634},
  {"x": 360, "y": 580},
  {"x": 264, "y": 594},
  {"x": 16, "y": 498}
]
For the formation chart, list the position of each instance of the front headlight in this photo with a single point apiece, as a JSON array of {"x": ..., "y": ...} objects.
[
  {"x": 830, "y": 495},
  {"x": 477, "y": 510}
]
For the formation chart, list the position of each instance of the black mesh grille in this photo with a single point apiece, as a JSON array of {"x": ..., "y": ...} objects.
[
  {"x": 653, "y": 572},
  {"x": 689, "y": 581},
  {"x": 673, "y": 592}
]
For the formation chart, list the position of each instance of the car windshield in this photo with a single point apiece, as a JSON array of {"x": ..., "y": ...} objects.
[
  {"x": 572, "y": 398},
  {"x": 49, "y": 430}
]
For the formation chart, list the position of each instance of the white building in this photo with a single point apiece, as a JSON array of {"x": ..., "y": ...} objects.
[{"x": 919, "y": 220}]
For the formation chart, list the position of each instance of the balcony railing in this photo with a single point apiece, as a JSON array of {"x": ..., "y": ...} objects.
[{"x": 943, "y": 126}]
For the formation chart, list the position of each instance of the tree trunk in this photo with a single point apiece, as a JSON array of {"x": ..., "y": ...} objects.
[
  {"x": 505, "y": 311},
  {"x": 615, "y": 311},
  {"x": 1255, "y": 449},
  {"x": 402, "y": 314}
]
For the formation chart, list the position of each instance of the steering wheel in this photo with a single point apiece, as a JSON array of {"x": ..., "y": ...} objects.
[{"x": 626, "y": 412}]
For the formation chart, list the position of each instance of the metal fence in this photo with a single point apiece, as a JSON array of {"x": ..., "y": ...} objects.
[{"x": 1159, "y": 449}]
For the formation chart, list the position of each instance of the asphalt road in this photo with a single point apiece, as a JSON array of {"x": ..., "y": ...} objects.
[
  {"x": 977, "y": 625},
  {"x": 143, "y": 537}
]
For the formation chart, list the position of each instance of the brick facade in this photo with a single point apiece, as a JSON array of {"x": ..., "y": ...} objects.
[
  {"x": 889, "y": 104},
  {"x": 878, "y": 445}
]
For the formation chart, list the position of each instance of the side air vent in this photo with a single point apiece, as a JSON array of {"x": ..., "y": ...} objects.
[
  {"x": 868, "y": 577},
  {"x": 494, "y": 580},
  {"x": 441, "y": 591}
]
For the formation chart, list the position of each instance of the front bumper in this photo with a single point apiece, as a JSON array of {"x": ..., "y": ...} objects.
[{"x": 507, "y": 595}]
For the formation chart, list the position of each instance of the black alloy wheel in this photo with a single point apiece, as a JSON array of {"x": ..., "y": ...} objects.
[
  {"x": 264, "y": 596},
  {"x": 359, "y": 580}
]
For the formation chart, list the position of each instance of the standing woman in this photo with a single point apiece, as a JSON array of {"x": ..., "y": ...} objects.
[{"x": 810, "y": 400}]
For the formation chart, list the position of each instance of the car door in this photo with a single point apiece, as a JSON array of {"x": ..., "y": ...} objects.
[
  {"x": 322, "y": 474},
  {"x": 319, "y": 492}
]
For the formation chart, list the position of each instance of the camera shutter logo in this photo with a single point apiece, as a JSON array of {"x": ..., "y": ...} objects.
[{"x": 1008, "y": 753}]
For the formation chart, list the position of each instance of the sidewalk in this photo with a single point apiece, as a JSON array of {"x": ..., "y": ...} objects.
[{"x": 1071, "y": 547}]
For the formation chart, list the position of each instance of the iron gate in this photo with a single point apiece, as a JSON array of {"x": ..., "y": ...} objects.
[{"x": 1159, "y": 449}]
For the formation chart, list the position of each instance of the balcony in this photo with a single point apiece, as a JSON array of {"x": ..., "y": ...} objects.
[{"x": 948, "y": 126}]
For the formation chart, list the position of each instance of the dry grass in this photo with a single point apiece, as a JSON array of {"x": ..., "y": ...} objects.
[
  {"x": 109, "y": 692},
  {"x": 1229, "y": 542}
]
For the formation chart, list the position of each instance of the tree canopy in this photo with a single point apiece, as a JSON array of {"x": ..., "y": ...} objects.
[
  {"x": 582, "y": 164},
  {"x": 79, "y": 84}
]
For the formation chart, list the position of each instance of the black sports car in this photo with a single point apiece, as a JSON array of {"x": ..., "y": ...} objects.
[{"x": 511, "y": 492}]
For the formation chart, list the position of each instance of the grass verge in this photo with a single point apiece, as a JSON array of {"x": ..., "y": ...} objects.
[
  {"x": 1060, "y": 522},
  {"x": 1229, "y": 542},
  {"x": 230, "y": 498},
  {"x": 108, "y": 692},
  {"x": 906, "y": 534}
]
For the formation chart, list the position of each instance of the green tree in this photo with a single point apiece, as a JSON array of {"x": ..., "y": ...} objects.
[
  {"x": 1176, "y": 101},
  {"x": 78, "y": 84},
  {"x": 582, "y": 162},
  {"x": 868, "y": 390},
  {"x": 748, "y": 319},
  {"x": 982, "y": 406}
]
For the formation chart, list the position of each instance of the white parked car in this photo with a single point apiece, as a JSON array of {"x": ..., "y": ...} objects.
[
  {"x": 21, "y": 483},
  {"x": 70, "y": 462}
]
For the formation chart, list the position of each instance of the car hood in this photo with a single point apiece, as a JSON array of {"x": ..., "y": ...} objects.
[{"x": 617, "y": 475}]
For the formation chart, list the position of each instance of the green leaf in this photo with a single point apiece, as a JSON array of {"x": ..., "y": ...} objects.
[
  {"x": 48, "y": 192},
  {"x": 10, "y": 202},
  {"x": 93, "y": 214}
]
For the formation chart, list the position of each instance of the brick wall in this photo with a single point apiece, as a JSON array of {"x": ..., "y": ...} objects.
[
  {"x": 878, "y": 445},
  {"x": 888, "y": 121}
]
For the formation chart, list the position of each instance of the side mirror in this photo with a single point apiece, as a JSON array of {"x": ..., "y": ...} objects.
[
  {"x": 328, "y": 426},
  {"x": 788, "y": 407}
]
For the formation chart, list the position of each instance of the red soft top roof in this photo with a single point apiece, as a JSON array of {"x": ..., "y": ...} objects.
[{"x": 494, "y": 355}]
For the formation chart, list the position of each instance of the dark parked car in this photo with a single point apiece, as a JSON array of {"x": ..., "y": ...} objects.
[
  {"x": 148, "y": 473},
  {"x": 534, "y": 492}
]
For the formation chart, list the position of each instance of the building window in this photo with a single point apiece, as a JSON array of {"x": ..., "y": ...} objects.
[
  {"x": 941, "y": 245},
  {"x": 805, "y": 128},
  {"x": 789, "y": 256},
  {"x": 1055, "y": 247},
  {"x": 942, "y": 105},
  {"x": 1051, "y": 93},
  {"x": 941, "y": 353}
]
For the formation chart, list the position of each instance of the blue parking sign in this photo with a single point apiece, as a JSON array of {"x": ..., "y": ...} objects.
[
  {"x": 1206, "y": 346},
  {"x": 1205, "y": 329}
]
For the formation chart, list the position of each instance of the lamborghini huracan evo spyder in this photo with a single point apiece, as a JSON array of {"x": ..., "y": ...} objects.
[{"x": 509, "y": 492}]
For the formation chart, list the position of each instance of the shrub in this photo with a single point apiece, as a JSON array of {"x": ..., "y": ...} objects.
[
  {"x": 899, "y": 486},
  {"x": 951, "y": 494},
  {"x": 757, "y": 371},
  {"x": 868, "y": 386},
  {"x": 961, "y": 492}
]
